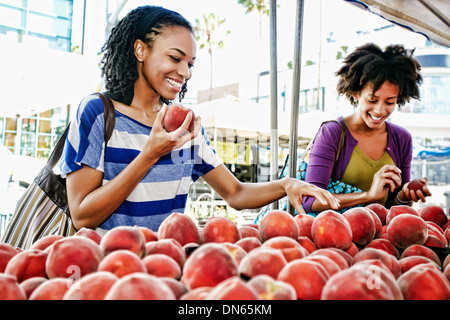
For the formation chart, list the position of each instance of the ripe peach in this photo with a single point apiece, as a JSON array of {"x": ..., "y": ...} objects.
[
  {"x": 93, "y": 286},
  {"x": 307, "y": 243},
  {"x": 386, "y": 245},
  {"x": 278, "y": 223},
  {"x": 419, "y": 250},
  {"x": 407, "y": 229},
  {"x": 434, "y": 213},
  {"x": 27, "y": 264},
  {"x": 433, "y": 241},
  {"x": 31, "y": 284},
  {"x": 148, "y": 233},
  {"x": 139, "y": 286},
  {"x": 352, "y": 250},
  {"x": 236, "y": 251},
  {"x": 380, "y": 211},
  {"x": 415, "y": 185},
  {"x": 341, "y": 258},
  {"x": 362, "y": 225},
  {"x": 207, "y": 266},
  {"x": 263, "y": 260},
  {"x": 220, "y": 229},
  {"x": 10, "y": 288},
  {"x": 52, "y": 289},
  {"x": 73, "y": 256},
  {"x": 89, "y": 233},
  {"x": 304, "y": 222},
  {"x": 306, "y": 276},
  {"x": 249, "y": 243},
  {"x": 270, "y": 289},
  {"x": 124, "y": 237},
  {"x": 400, "y": 209},
  {"x": 46, "y": 241},
  {"x": 180, "y": 227},
  {"x": 331, "y": 229},
  {"x": 407, "y": 263},
  {"x": 289, "y": 247},
  {"x": 387, "y": 259},
  {"x": 7, "y": 251},
  {"x": 377, "y": 221},
  {"x": 361, "y": 282},
  {"x": 174, "y": 117},
  {"x": 161, "y": 265},
  {"x": 122, "y": 262},
  {"x": 327, "y": 263},
  {"x": 248, "y": 231},
  {"x": 424, "y": 282},
  {"x": 177, "y": 287},
  {"x": 199, "y": 293},
  {"x": 232, "y": 288},
  {"x": 170, "y": 247}
]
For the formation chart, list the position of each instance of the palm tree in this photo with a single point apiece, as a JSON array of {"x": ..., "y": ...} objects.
[
  {"x": 260, "y": 6},
  {"x": 205, "y": 33}
]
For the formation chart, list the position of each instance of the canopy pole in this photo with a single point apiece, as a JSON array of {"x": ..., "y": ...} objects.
[
  {"x": 273, "y": 95},
  {"x": 295, "y": 94}
]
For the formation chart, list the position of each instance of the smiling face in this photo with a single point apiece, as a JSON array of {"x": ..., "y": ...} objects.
[
  {"x": 167, "y": 65},
  {"x": 375, "y": 108}
]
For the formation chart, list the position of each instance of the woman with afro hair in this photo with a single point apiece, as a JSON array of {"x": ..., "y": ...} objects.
[
  {"x": 377, "y": 154},
  {"x": 144, "y": 173}
]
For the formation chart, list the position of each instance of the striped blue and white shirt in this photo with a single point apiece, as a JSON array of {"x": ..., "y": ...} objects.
[{"x": 165, "y": 187}]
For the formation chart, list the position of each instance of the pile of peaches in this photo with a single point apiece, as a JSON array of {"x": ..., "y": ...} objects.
[{"x": 368, "y": 253}]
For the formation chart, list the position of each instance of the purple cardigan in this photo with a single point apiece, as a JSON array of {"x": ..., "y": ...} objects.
[{"x": 323, "y": 151}]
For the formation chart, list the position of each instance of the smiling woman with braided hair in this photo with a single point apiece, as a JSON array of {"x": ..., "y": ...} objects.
[
  {"x": 143, "y": 175},
  {"x": 377, "y": 154}
]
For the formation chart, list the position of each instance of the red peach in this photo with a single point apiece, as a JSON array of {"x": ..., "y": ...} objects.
[
  {"x": 341, "y": 258},
  {"x": 386, "y": 245},
  {"x": 270, "y": 289},
  {"x": 232, "y": 288},
  {"x": 10, "y": 288},
  {"x": 304, "y": 222},
  {"x": 170, "y": 247},
  {"x": 139, "y": 286},
  {"x": 122, "y": 262},
  {"x": 434, "y": 213},
  {"x": 433, "y": 241},
  {"x": 306, "y": 276},
  {"x": 290, "y": 248},
  {"x": 31, "y": 284},
  {"x": 7, "y": 251},
  {"x": 250, "y": 243},
  {"x": 45, "y": 242},
  {"x": 175, "y": 116},
  {"x": 161, "y": 265},
  {"x": 377, "y": 221},
  {"x": 263, "y": 260},
  {"x": 415, "y": 185},
  {"x": 447, "y": 273},
  {"x": 199, "y": 293},
  {"x": 307, "y": 243},
  {"x": 207, "y": 266},
  {"x": 387, "y": 259},
  {"x": 220, "y": 229},
  {"x": 52, "y": 289},
  {"x": 177, "y": 287},
  {"x": 419, "y": 250},
  {"x": 124, "y": 237},
  {"x": 407, "y": 229},
  {"x": 327, "y": 263},
  {"x": 330, "y": 229},
  {"x": 407, "y": 263},
  {"x": 447, "y": 234},
  {"x": 380, "y": 211},
  {"x": 278, "y": 223},
  {"x": 352, "y": 250},
  {"x": 446, "y": 262},
  {"x": 424, "y": 282},
  {"x": 400, "y": 209},
  {"x": 236, "y": 251},
  {"x": 362, "y": 225},
  {"x": 180, "y": 227},
  {"x": 27, "y": 264},
  {"x": 73, "y": 256},
  {"x": 248, "y": 231},
  {"x": 93, "y": 286},
  {"x": 148, "y": 233},
  {"x": 89, "y": 233}
]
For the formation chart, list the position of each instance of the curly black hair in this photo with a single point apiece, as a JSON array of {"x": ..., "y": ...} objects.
[
  {"x": 369, "y": 63},
  {"x": 119, "y": 64}
]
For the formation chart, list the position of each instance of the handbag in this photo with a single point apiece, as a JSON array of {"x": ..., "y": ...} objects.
[
  {"x": 334, "y": 186},
  {"x": 43, "y": 209}
]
